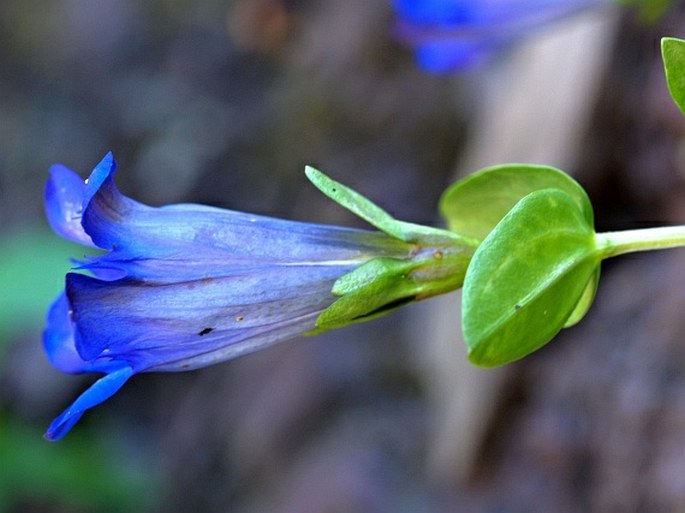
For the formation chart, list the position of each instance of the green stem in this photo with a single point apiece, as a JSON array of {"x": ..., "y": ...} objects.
[{"x": 611, "y": 244}]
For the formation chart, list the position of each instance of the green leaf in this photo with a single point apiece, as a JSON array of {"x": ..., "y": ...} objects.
[
  {"x": 673, "y": 53},
  {"x": 528, "y": 277},
  {"x": 473, "y": 206},
  {"x": 373, "y": 214},
  {"x": 585, "y": 301}
]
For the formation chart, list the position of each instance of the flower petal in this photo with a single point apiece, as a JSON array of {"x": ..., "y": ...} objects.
[
  {"x": 58, "y": 338},
  {"x": 152, "y": 326},
  {"x": 469, "y": 13},
  {"x": 448, "y": 55},
  {"x": 435, "y": 11},
  {"x": 59, "y": 342},
  {"x": 64, "y": 195},
  {"x": 101, "y": 390},
  {"x": 457, "y": 34},
  {"x": 67, "y": 196},
  {"x": 104, "y": 170},
  {"x": 154, "y": 243}
]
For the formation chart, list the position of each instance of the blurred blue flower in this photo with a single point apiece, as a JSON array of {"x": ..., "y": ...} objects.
[
  {"x": 451, "y": 35},
  {"x": 183, "y": 286}
]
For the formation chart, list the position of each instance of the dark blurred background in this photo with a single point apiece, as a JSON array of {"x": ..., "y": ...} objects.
[{"x": 224, "y": 103}]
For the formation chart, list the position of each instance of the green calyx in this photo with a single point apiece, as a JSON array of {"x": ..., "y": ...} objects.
[
  {"x": 383, "y": 284},
  {"x": 436, "y": 263}
]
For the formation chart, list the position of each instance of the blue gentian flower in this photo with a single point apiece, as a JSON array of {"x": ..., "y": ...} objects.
[
  {"x": 451, "y": 35},
  {"x": 184, "y": 286}
]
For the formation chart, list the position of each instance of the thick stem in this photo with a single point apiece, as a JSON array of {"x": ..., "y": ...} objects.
[{"x": 611, "y": 244}]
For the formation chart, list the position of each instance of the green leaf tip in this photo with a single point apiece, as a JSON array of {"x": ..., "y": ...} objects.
[
  {"x": 673, "y": 54},
  {"x": 531, "y": 276},
  {"x": 351, "y": 200},
  {"x": 375, "y": 215}
]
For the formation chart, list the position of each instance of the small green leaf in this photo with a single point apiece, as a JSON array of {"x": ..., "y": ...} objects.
[
  {"x": 375, "y": 215},
  {"x": 527, "y": 277},
  {"x": 473, "y": 206},
  {"x": 585, "y": 301},
  {"x": 673, "y": 53}
]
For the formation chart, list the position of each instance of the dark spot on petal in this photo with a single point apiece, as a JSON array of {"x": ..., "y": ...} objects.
[
  {"x": 205, "y": 331},
  {"x": 240, "y": 318}
]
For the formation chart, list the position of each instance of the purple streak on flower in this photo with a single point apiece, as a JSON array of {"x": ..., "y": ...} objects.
[
  {"x": 451, "y": 35},
  {"x": 183, "y": 286}
]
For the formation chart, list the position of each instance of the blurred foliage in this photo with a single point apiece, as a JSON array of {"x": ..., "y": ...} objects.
[
  {"x": 32, "y": 267},
  {"x": 79, "y": 473},
  {"x": 650, "y": 10}
]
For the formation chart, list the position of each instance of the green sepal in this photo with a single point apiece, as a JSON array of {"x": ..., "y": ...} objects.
[
  {"x": 435, "y": 263},
  {"x": 383, "y": 284},
  {"x": 474, "y": 205},
  {"x": 373, "y": 214},
  {"x": 367, "y": 292},
  {"x": 673, "y": 54},
  {"x": 367, "y": 276},
  {"x": 528, "y": 278}
]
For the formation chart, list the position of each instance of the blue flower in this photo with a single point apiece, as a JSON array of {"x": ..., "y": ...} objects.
[
  {"x": 185, "y": 286},
  {"x": 450, "y": 35}
]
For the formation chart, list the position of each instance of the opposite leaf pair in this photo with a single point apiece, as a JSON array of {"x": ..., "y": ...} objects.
[{"x": 537, "y": 266}]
